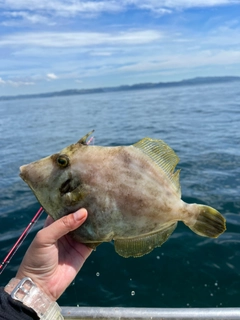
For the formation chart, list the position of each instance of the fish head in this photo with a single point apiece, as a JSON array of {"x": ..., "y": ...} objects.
[{"x": 56, "y": 180}]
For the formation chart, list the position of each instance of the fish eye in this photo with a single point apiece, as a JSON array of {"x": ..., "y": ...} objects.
[{"x": 62, "y": 161}]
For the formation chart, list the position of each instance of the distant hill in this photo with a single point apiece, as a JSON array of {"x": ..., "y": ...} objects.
[{"x": 188, "y": 82}]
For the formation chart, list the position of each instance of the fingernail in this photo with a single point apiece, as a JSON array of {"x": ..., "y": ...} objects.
[{"x": 80, "y": 214}]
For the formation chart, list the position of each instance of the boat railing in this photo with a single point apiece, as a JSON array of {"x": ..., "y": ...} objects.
[{"x": 101, "y": 313}]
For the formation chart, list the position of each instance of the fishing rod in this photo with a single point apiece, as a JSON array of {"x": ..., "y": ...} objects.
[{"x": 20, "y": 240}]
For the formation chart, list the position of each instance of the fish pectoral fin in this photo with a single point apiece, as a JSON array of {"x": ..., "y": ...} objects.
[
  {"x": 137, "y": 247},
  {"x": 163, "y": 156},
  {"x": 93, "y": 245}
]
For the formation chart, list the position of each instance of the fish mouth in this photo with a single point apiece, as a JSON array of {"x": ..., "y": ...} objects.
[
  {"x": 21, "y": 174},
  {"x": 69, "y": 186},
  {"x": 24, "y": 174}
]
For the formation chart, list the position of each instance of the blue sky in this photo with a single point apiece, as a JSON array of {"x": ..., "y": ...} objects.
[{"x": 53, "y": 45}]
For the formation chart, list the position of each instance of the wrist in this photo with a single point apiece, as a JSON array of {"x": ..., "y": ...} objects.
[
  {"x": 27, "y": 292},
  {"x": 38, "y": 279}
]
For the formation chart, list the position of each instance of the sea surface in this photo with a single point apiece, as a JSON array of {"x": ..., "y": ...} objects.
[{"x": 202, "y": 124}]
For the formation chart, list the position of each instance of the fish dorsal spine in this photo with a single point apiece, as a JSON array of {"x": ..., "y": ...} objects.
[{"x": 164, "y": 157}]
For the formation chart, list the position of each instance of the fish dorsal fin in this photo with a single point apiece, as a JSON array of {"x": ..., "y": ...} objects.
[
  {"x": 142, "y": 245},
  {"x": 163, "y": 156}
]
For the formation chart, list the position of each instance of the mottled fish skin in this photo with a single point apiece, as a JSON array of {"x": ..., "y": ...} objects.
[{"x": 129, "y": 195}]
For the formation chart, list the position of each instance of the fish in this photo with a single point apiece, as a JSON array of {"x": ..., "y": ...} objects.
[{"x": 132, "y": 194}]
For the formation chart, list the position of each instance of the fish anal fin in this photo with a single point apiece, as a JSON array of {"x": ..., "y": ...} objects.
[
  {"x": 137, "y": 247},
  {"x": 93, "y": 245},
  {"x": 163, "y": 156}
]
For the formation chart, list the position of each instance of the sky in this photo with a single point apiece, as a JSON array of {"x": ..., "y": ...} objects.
[{"x": 54, "y": 45}]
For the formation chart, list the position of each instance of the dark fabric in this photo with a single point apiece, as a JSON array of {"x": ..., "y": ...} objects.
[{"x": 14, "y": 310}]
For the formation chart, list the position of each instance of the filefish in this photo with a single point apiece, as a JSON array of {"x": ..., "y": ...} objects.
[{"x": 132, "y": 194}]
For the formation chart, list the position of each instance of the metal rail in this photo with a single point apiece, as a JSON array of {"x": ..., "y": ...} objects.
[{"x": 74, "y": 313}]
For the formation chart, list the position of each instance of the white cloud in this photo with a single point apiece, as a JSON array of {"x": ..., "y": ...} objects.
[
  {"x": 152, "y": 62},
  {"x": 80, "y": 39},
  {"x": 100, "y": 53},
  {"x": 62, "y": 7},
  {"x": 14, "y": 16},
  {"x": 88, "y": 55},
  {"x": 187, "y": 61},
  {"x": 156, "y": 5},
  {"x": 52, "y": 76},
  {"x": 157, "y": 47},
  {"x": 16, "y": 83},
  {"x": 2, "y": 81},
  {"x": 43, "y": 11},
  {"x": 20, "y": 83},
  {"x": 79, "y": 7}
]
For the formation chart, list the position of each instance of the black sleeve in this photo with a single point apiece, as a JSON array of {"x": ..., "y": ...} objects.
[{"x": 11, "y": 309}]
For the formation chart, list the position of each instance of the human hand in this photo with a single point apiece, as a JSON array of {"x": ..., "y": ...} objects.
[{"x": 54, "y": 258}]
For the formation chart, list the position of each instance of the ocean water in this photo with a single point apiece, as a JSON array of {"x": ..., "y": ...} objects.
[{"x": 202, "y": 124}]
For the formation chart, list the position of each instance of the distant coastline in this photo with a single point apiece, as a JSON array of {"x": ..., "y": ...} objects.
[{"x": 194, "y": 81}]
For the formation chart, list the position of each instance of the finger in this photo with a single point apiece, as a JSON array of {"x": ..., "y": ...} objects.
[
  {"x": 48, "y": 221},
  {"x": 61, "y": 227}
]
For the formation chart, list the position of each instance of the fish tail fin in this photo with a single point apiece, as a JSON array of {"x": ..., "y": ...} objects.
[{"x": 208, "y": 223}]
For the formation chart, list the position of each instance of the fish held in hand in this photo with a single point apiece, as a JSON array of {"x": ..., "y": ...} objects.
[{"x": 131, "y": 193}]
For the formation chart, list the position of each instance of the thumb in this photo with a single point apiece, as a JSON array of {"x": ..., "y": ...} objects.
[{"x": 62, "y": 226}]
